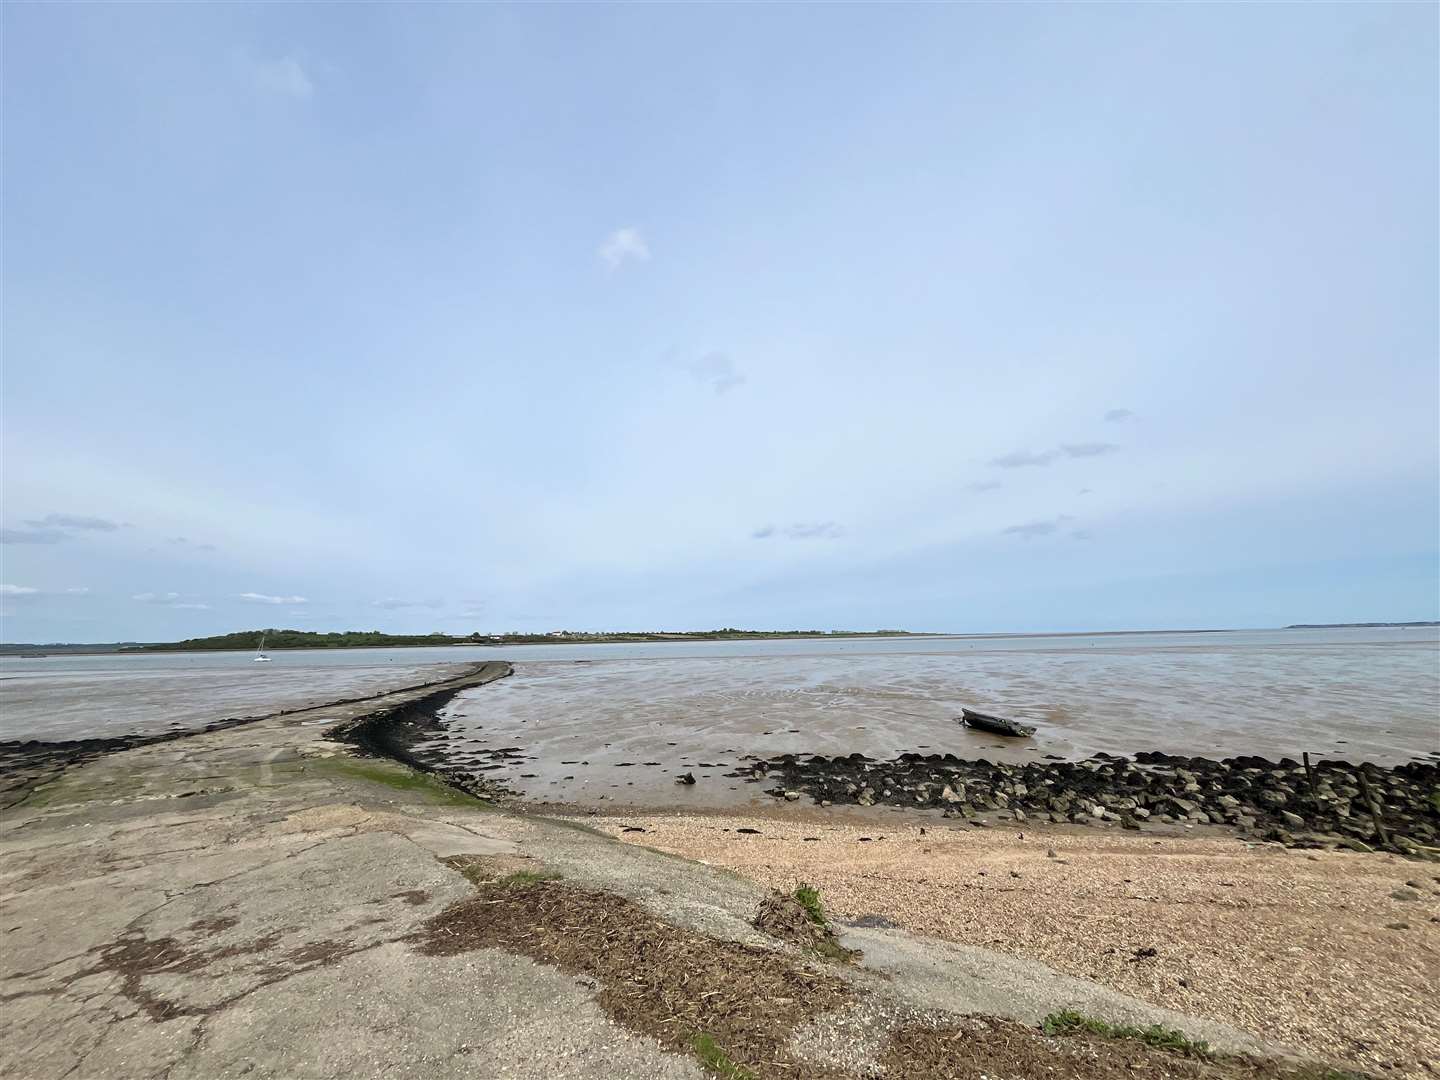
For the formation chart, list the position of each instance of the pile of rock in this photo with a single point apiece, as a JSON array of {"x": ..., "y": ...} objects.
[{"x": 1275, "y": 800}]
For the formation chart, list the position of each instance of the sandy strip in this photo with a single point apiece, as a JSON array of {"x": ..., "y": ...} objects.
[{"x": 1293, "y": 945}]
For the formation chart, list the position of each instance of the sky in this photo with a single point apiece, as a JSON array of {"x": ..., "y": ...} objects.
[{"x": 961, "y": 318}]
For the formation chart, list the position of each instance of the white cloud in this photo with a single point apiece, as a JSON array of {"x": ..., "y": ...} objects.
[
  {"x": 284, "y": 77},
  {"x": 818, "y": 530},
  {"x": 261, "y": 598},
  {"x": 17, "y": 590},
  {"x": 170, "y": 600},
  {"x": 622, "y": 245}
]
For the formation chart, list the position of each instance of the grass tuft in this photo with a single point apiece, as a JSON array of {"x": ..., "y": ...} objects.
[
  {"x": 1069, "y": 1022},
  {"x": 809, "y": 898},
  {"x": 529, "y": 877},
  {"x": 717, "y": 1061}
]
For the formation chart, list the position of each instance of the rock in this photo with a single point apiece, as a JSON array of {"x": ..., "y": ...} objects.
[
  {"x": 1295, "y": 821},
  {"x": 948, "y": 795},
  {"x": 1271, "y": 797},
  {"x": 1140, "y": 813},
  {"x": 1397, "y": 926},
  {"x": 685, "y": 778},
  {"x": 1018, "y": 814},
  {"x": 1228, "y": 802},
  {"x": 790, "y": 796},
  {"x": 1405, "y": 894}
]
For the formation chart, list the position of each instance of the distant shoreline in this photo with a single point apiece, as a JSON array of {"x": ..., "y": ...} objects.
[{"x": 131, "y": 648}]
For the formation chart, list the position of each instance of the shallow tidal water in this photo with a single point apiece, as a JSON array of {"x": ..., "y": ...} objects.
[
  {"x": 619, "y": 728},
  {"x": 589, "y": 717}
]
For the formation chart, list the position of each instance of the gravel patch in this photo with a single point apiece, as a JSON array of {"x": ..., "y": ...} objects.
[{"x": 1294, "y": 946}]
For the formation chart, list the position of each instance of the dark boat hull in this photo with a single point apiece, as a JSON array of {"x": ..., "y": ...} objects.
[{"x": 996, "y": 725}]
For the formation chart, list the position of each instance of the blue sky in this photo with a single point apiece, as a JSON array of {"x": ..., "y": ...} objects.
[{"x": 973, "y": 318}]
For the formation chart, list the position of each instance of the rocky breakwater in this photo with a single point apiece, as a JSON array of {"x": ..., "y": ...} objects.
[
  {"x": 416, "y": 734},
  {"x": 1332, "y": 802}
]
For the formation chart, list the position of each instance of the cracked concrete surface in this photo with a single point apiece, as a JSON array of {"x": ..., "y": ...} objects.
[{"x": 239, "y": 903}]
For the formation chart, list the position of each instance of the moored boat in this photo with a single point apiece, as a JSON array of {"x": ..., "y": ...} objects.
[{"x": 997, "y": 725}]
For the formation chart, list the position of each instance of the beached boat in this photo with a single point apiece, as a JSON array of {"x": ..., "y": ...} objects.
[{"x": 996, "y": 725}]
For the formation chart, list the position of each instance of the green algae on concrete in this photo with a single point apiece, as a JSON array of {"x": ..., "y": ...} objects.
[{"x": 400, "y": 778}]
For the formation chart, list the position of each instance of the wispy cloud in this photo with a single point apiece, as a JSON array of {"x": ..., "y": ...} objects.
[
  {"x": 715, "y": 370},
  {"x": 170, "y": 600},
  {"x": 1080, "y": 534},
  {"x": 32, "y": 536},
  {"x": 18, "y": 590},
  {"x": 1032, "y": 529},
  {"x": 78, "y": 590},
  {"x": 262, "y": 598},
  {"x": 1088, "y": 449},
  {"x": 1025, "y": 458},
  {"x": 1118, "y": 416},
  {"x": 185, "y": 541},
  {"x": 283, "y": 77},
  {"x": 395, "y": 603},
  {"x": 76, "y": 521},
  {"x": 1022, "y": 458},
  {"x": 984, "y": 485},
  {"x": 802, "y": 530},
  {"x": 622, "y": 246}
]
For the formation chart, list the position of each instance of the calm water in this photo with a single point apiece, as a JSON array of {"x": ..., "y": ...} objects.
[{"x": 1361, "y": 694}]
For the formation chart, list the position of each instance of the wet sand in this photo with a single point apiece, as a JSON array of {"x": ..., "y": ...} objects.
[{"x": 1302, "y": 947}]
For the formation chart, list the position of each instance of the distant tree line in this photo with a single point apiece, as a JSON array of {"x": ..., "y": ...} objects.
[{"x": 362, "y": 639}]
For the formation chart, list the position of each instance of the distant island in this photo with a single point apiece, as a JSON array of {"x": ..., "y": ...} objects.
[
  {"x": 374, "y": 639},
  {"x": 1354, "y": 625}
]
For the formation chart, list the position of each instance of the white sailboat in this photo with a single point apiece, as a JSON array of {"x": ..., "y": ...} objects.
[{"x": 260, "y": 657}]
